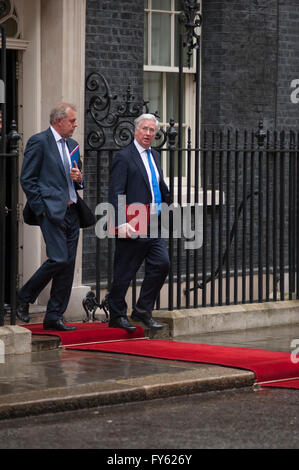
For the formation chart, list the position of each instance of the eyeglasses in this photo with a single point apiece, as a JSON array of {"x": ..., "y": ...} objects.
[{"x": 151, "y": 130}]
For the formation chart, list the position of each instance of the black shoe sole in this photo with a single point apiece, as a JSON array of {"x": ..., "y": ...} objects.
[
  {"x": 129, "y": 330},
  {"x": 133, "y": 328},
  {"x": 58, "y": 329},
  {"x": 158, "y": 327}
]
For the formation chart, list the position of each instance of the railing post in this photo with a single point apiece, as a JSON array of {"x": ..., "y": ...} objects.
[
  {"x": 282, "y": 216},
  {"x": 292, "y": 214},
  {"x": 260, "y": 135},
  {"x": 2, "y": 176},
  {"x": 2, "y": 234},
  {"x": 13, "y": 139},
  {"x": 171, "y": 135}
]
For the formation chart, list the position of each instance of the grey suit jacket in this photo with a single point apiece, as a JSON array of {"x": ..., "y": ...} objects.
[{"x": 43, "y": 176}]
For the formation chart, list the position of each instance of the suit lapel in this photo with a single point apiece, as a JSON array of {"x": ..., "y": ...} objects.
[
  {"x": 138, "y": 161},
  {"x": 53, "y": 150},
  {"x": 157, "y": 162}
]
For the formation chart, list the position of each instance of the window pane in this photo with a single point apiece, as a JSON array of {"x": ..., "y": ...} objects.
[
  {"x": 178, "y": 5},
  {"x": 145, "y": 3},
  {"x": 11, "y": 27},
  {"x": 160, "y": 39},
  {"x": 161, "y": 5},
  {"x": 172, "y": 96},
  {"x": 153, "y": 91},
  {"x": 146, "y": 38}
]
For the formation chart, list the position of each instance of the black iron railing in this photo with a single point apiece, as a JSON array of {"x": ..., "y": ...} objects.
[{"x": 242, "y": 187}]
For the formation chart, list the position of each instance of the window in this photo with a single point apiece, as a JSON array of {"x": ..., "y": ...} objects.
[
  {"x": 9, "y": 18},
  {"x": 161, "y": 68}
]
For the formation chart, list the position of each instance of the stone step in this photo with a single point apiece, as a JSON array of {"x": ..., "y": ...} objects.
[
  {"x": 195, "y": 321},
  {"x": 14, "y": 340},
  {"x": 44, "y": 342}
]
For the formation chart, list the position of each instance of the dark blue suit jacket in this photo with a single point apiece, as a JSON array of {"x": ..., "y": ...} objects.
[
  {"x": 43, "y": 176},
  {"x": 128, "y": 177}
]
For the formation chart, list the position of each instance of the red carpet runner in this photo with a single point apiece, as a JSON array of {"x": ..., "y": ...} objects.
[
  {"x": 87, "y": 333},
  {"x": 274, "y": 368}
]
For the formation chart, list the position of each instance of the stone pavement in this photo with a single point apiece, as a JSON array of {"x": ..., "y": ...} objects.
[{"x": 53, "y": 379}]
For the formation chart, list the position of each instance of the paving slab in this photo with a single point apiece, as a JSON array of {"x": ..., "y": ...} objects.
[
  {"x": 58, "y": 380},
  {"x": 51, "y": 378}
]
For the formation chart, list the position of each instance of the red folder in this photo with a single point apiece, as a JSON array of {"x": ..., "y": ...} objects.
[{"x": 137, "y": 215}]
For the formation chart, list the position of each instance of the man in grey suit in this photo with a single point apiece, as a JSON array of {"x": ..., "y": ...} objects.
[{"x": 50, "y": 181}]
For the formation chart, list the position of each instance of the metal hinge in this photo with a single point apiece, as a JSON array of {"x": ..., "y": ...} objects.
[
  {"x": 19, "y": 210},
  {"x": 18, "y": 70},
  {"x": 19, "y": 276}
]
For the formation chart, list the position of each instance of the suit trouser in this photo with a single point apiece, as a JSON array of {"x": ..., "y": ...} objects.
[
  {"x": 129, "y": 255},
  {"x": 61, "y": 246}
]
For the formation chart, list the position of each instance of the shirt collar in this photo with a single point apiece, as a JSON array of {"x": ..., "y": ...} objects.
[
  {"x": 57, "y": 136},
  {"x": 139, "y": 147}
]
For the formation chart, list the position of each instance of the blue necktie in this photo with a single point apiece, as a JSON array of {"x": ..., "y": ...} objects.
[
  {"x": 156, "y": 189},
  {"x": 72, "y": 192}
]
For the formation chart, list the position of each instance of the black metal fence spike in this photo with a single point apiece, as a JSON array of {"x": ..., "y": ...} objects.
[
  {"x": 172, "y": 134},
  {"x": 13, "y": 137},
  {"x": 261, "y": 134}
]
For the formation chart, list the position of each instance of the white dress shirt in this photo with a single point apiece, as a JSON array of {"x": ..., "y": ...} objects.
[
  {"x": 143, "y": 155},
  {"x": 58, "y": 138}
]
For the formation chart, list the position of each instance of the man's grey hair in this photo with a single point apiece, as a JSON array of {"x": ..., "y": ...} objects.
[
  {"x": 60, "y": 111},
  {"x": 147, "y": 117}
]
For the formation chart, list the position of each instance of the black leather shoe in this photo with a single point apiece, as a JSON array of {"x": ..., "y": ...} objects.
[
  {"x": 23, "y": 313},
  {"x": 57, "y": 325},
  {"x": 121, "y": 322},
  {"x": 146, "y": 318}
]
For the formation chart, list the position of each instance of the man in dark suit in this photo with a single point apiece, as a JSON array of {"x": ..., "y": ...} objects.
[
  {"x": 50, "y": 183},
  {"x": 136, "y": 176}
]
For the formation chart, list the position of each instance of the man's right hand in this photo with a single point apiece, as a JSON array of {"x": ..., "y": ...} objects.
[{"x": 126, "y": 231}]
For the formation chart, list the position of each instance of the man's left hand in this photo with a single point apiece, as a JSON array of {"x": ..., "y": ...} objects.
[{"x": 76, "y": 174}]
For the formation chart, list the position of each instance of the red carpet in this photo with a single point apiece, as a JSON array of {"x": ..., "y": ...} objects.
[
  {"x": 272, "y": 367},
  {"x": 87, "y": 333}
]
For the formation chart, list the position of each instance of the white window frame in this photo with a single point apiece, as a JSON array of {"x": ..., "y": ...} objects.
[{"x": 189, "y": 91}]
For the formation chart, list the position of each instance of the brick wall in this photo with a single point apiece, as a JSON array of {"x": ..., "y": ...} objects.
[
  {"x": 249, "y": 57},
  {"x": 288, "y": 60}
]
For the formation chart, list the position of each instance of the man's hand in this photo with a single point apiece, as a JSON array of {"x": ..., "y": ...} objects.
[
  {"x": 76, "y": 174},
  {"x": 126, "y": 231}
]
